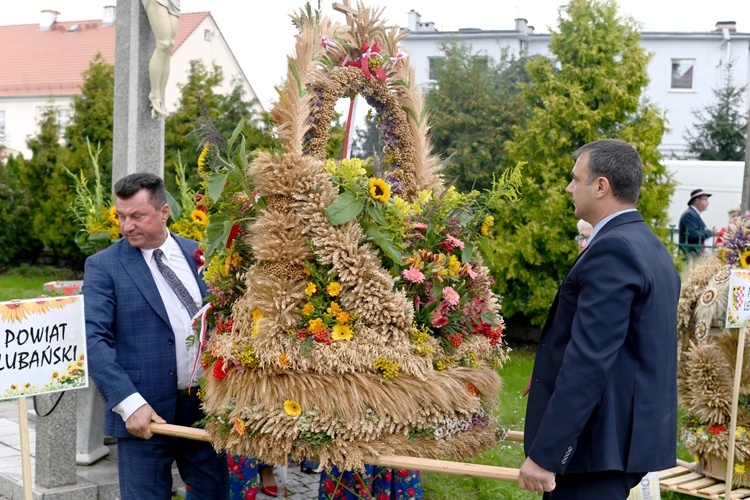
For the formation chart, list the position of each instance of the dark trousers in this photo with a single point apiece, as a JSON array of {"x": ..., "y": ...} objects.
[
  {"x": 145, "y": 465},
  {"x": 607, "y": 485}
]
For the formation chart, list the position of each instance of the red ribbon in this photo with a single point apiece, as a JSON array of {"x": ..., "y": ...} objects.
[{"x": 369, "y": 52}]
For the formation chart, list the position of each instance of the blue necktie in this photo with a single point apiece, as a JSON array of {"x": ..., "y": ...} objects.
[{"x": 175, "y": 284}]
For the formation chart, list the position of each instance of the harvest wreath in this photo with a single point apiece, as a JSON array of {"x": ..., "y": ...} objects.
[{"x": 352, "y": 315}]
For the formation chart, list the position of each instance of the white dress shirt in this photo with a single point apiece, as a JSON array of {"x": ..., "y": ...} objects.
[{"x": 179, "y": 319}]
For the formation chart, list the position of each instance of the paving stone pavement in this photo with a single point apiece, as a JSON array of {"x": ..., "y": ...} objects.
[{"x": 299, "y": 486}]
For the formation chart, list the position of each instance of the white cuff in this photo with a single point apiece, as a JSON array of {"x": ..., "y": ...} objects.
[{"x": 127, "y": 406}]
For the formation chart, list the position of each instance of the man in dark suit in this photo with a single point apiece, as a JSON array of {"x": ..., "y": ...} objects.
[
  {"x": 693, "y": 231},
  {"x": 602, "y": 409},
  {"x": 136, "y": 327}
]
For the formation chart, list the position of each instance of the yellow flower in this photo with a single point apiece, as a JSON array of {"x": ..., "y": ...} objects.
[
  {"x": 330, "y": 167},
  {"x": 379, "y": 190},
  {"x": 239, "y": 427},
  {"x": 81, "y": 357},
  {"x": 26, "y": 385},
  {"x": 257, "y": 315},
  {"x": 401, "y": 205},
  {"x": 424, "y": 196},
  {"x": 454, "y": 265},
  {"x": 334, "y": 308},
  {"x": 13, "y": 387},
  {"x": 739, "y": 431},
  {"x": 343, "y": 317},
  {"x": 203, "y": 156},
  {"x": 292, "y": 408},
  {"x": 199, "y": 217},
  {"x": 310, "y": 289},
  {"x": 341, "y": 332},
  {"x": 739, "y": 468},
  {"x": 255, "y": 330},
  {"x": 308, "y": 309},
  {"x": 334, "y": 289},
  {"x": 284, "y": 360},
  {"x": 745, "y": 259},
  {"x": 55, "y": 375},
  {"x": 316, "y": 325},
  {"x": 113, "y": 219},
  {"x": 487, "y": 223}
]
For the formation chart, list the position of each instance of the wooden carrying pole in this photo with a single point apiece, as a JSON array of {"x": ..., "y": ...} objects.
[
  {"x": 23, "y": 425},
  {"x": 394, "y": 461},
  {"x": 733, "y": 418}
]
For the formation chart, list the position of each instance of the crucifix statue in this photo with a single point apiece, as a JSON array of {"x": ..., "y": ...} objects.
[{"x": 347, "y": 10}]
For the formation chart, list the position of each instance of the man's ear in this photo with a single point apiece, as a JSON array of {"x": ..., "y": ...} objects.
[
  {"x": 165, "y": 212},
  {"x": 603, "y": 187}
]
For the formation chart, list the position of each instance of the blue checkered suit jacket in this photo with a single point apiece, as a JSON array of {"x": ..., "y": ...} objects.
[{"x": 129, "y": 338}]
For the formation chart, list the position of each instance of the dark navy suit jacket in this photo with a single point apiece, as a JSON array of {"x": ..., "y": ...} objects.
[
  {"x": 131, "y": 346},
  {"x": 693, "y": 231},
  {"x": 604, "y": 390}
]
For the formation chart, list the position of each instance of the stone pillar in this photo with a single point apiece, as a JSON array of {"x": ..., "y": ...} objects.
[
  {"x": 138, "y": 139},
  {"x": 90, "y": 426},
  {"x": 56, "y": 439}
]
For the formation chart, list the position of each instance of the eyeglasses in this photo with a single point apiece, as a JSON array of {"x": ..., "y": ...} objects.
[{"x": 581, "y": 238}]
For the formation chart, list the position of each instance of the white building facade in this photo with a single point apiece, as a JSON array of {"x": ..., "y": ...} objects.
[{"x": 684, "y": 70}]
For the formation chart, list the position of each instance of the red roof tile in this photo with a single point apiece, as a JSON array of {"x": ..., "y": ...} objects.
[{"x": 51, "y": 62}]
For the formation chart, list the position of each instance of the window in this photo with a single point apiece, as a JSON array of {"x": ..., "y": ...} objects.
[
  {"x": 2, "y": 124},
  {"x": 682, "y": 73},
  {"x": 436, "y": 64},
  {"x": 208, "y": 35},
  {"x": 63, "y": 120}
]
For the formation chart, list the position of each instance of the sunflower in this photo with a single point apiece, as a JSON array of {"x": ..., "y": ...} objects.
[
  {"x": 199, "y": 217},
  {"x": 292, "y": 408},
  {"x": 113, "y": 219},
  {"x": 341, "y": 332},
  {"x": 203, "y": 156},
  {"x": 15, "y": 311},
  {"x": 745, "y": 259},
  {"x": 379, "y": 190}
]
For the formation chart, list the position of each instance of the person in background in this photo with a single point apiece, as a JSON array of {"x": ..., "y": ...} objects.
[
  {"x": 141, "y": 295},
  {"x": 692, "y": 230},
  {"x": 733, "y": 214},
  {"x": 602, "y": 408},
  {"x": 584, "y": 231}
]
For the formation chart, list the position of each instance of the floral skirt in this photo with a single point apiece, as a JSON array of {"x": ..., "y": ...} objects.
[
  {"x": 377, "y": 483},
  {"x": 243, "y": 477}
]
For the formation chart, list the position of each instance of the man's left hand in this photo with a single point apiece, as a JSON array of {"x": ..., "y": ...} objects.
[{"x": 535, "y": 478}]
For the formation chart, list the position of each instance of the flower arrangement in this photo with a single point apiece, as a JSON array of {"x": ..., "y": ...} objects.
[
  {"x": 707, "y": 358},
  {"x": 93, "y": 210},
  {"x": 188, "y": 215},
  {"x": 734, "y": 248},
  {"x": 351, "y": 314}
]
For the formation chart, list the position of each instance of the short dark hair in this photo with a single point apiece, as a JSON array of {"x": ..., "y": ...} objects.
[
  {"x": 131, "y": 184},
  {"x": 619, "y": 162}
]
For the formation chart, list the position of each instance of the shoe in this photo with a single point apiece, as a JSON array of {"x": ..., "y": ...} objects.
[{"x": 271, "y": 491}]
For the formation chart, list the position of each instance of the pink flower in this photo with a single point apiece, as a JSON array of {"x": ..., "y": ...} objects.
[
  {"x": 420, "y": 225},
  {"x": 438, "y": 320},
  {"x": 467, "y": 269},
  {"x": 413, "y": 274},
  {"x": 451, "y": 296},
  {"x": 450, "y": 243}
]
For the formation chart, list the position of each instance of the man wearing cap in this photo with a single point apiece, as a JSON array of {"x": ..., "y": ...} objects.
[{"x": 693, "y": 231}]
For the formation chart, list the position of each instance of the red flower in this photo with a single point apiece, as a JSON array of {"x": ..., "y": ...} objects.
[
  {"x": 388, "y": 476},
  {"x": 411, "y": 492},
  {"x": 383, "y": 496},
  {"x": 717, "y": 429},
  {"x": 403, "y": 472},
  {"x": 329, "y": 486},
  {"x": 438, "y": 320},
  {"x": 455, "y": 339},
  {"x": 198, "y": 256},
  {"x": 219, "y": 370},
  {"x": 233, "y": 233},
  {"x": 198, "y": 197}
]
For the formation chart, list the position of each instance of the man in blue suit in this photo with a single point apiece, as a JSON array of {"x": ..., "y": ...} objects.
[
  {"x": 136, "y": 328},
  {"x": 602, "y": 409},
  {"x": 693, "y": 231}
]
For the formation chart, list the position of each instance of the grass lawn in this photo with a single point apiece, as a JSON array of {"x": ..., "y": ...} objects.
[{"x": 25, "y": 282}]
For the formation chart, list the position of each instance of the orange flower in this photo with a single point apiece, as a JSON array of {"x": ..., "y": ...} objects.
[
  {"x": 472, "y": 390},
  {"x": 239, "y": 427},
  {"x": 284, "y": 360},
  {"x": 316, "y": 325}
]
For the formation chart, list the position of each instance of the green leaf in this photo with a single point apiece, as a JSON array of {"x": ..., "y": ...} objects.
[
  {"x": 376, "y": 213},
  {"x": 384, "y": 240},
  {"x": 215, "y": 187},
  {"x": 99, "y": 238},
  {"x": 235, "y": 134},
  {"x": 306, "y": 346},
  {"x": 343, "y": 209},
  {"x": 175, "y": 209},
  {"x": 217, "y": 233},
  {"x": 467, "y": 254}
]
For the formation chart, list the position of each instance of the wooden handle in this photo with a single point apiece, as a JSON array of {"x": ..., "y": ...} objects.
[{"x": 393, "y": 461}]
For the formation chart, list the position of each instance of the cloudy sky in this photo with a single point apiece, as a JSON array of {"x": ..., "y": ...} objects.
[{"x": 260, "y": 32}]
